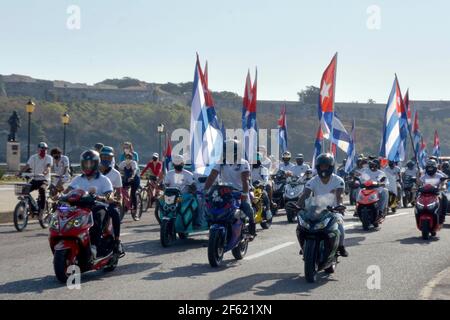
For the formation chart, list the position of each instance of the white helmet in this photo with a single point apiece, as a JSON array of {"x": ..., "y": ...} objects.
[
  {"x": 177, "y": 160},
  {"x": 156, "y": 155}
]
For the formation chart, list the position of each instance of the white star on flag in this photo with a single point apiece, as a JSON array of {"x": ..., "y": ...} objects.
[{"x": 325, "y": 93}]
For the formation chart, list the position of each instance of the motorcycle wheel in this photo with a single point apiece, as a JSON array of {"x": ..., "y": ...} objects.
[
  {"x": 145, "y": 200},
  {"x": 60, "y": 265},
  {"x": 21, "y": 216},
  {"x": 157, "y": 212},
  {"x": 167, "y": 234},
  {"x": 215, "y": 249},
  {"x": 138, "y": 211},
  {"x": 426, "y": 230},
  {"x": 365, "y": 219},
  {"x": 266, "y": 224},
  {"x": 240, "y": 250},
  {"x": 310, "y": 261},
  {"x": 291, "y": 217}
]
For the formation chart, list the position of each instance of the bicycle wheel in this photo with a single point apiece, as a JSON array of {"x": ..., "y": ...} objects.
[{"x": 137, "y": 212}]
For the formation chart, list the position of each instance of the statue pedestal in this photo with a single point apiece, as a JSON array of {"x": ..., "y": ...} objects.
[{"x": 13, "y": 156}]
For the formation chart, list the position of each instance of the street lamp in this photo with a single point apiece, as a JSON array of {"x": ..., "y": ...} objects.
[
  {"x": 160, "y": 131},
  {"x": 30, "y": 109},
  {"x": 65, "y": 120}
]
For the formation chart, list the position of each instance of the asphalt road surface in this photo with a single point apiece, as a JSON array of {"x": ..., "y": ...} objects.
[{"x": 272, "y": 268}]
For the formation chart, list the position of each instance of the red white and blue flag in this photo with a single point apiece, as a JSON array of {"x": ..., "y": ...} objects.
[
  {"x": 317, "y": 145},
  {"x": 391, "y": 139},
  {"x": 341, "y": 138},
  {"x": 249, "y": 124},
  {"x": 408, "y": 108},
  {"x": 423, "y": 154},
  {"x": 351, "y": 152},
  {"x": 436, "y": 145},
  {"x": 282, "y": 130},
  {"x": 416, "y": 134},
  {"x": 326, "y": 97}
]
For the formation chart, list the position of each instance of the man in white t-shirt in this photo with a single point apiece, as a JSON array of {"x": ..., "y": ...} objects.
[
  {"x": 261, "y": 174},
  {"x": 179, "y": 177},
  {"x": 393, "y": 175},
  {"x": 435, "y": 178},
  {"x": 108, "y": 170},
  {"x": 374, "y": 174},
  {"x": 300, "y": 168},
  {"x": 40, "y": 165},
  {"x": 60, "y": 168},
  {"x": 325, "y": 183},
  {"x": 236, "y": 173},
  {"x": 286, "y": 165}
]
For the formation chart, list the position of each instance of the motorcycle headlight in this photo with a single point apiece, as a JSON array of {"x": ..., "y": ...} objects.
[
  {"x": 54, "y": 223},
  {"x": 419, "y": 205},
  {"x": 432, "y": 205},
  {"x": 322, "y": 225},
  {"x": 303, "y": 223}
]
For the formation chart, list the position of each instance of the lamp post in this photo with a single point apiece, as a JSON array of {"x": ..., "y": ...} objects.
[
  {"x": 30, "y": 109},
  {"x": 160, "y": 131},
  {"x": 65, "y": 120}
]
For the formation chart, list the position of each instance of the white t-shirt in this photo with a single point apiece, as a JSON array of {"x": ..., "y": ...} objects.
[
  {"x": 411, "y": 173},
  {"x": 58, "y": 167},
  {"x": 377, "y": 175},
  {"x": 133, "y": 165},
  {"x": 38, "y": 166},
  {"x": 392, "y": 176},
  {"x": 300, "y": 170},
  {"x": 101, "y": 183},
  {"x": 231, "y": 173},
  {"x": 115, "y": 177},
  {"x": 180, "y": 180},
  {"x": 261, "y": 174},
  {"x": 287, "y": 167},
  {"x": 318, "y": 188},
  {"x": 433, "y": 180}
]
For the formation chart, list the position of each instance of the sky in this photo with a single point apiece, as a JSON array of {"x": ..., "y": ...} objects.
[{"x": 290, "y": 42}]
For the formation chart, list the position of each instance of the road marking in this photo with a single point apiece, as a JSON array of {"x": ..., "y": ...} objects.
[
  {"x": 270, "y": 250},
  {"x": 351, "y": 225},
  {"x": 427, "y": 291}
]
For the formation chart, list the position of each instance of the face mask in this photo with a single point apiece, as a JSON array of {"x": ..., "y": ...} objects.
[
  {"x": 106, "y": 163},
  {"x": 155, "y": 159},
  {"x": 42, "y": 153},
  {"x": 299, "y": 162},
  {"x": 178, "y": 168}
]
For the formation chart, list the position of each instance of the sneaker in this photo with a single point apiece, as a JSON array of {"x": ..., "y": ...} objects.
[{"x": 342, "y": 251}]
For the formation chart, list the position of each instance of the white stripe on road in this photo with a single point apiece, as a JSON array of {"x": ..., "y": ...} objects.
[
  {"x": 351, "y": 225},
  {"x": 270, "y": 250},
  {"x": 427, "y": 292}
]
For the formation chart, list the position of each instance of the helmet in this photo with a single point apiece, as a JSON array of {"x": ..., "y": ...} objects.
[
  {"x": 106, "y": 156},
  {"x": 107, "y": 151},
  {"x": 98, "y": 146},
  {"x": 299, "y": 156},
  {"x": 235, "y": 144},
  {"x": 286, "y": 156},
  {"x": 155, "y": 155},
  {"x": 391, "y": 164},
  {"x": 445, "y": 165},
  {"x": 410, "y": 164},
  {"x": 431, "y": 167},
  {"x": 177, "y": 160},
  {"x": 89, "y": 161},
  {"x": 42, "y": 145},
  {"x": 325, "y": 159},
  {"x": 55, "y": 151}
]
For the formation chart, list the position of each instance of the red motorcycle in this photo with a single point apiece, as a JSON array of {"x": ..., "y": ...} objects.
[
  {"x": 70, "y": 237},
  {"x": 427, "y": 210},
  {"x": 367, "y": 205}
]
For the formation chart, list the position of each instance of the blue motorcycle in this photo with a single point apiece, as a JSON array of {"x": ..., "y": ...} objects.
[{"x": 229, "y": 226}]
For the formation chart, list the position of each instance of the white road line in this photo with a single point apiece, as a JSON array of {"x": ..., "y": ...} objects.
[
  {"x": 426, "y": 292},
  {"x": 270, "y": 250}
]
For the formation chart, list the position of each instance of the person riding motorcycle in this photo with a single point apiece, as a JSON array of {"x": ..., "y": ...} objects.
[
  {"x": 300, "y": 168},
  {"x": 98, "y": 186},
  {"x": 40, "y": 165},
  {"x": 307, "y": 176},
  {"x": 286, "y": 165},
  {"x": 392, "y": 172},
  {"x": 411, "y": 170},
  {"x": 108, "y": 170},
  {"x": 235, "y": 172},
  {"x": 376, "y": 175},
  {"x": 325, "y": 183},
  {"x": 446, "y": 168},
  {"x": 131, "y": 177},
  {"x": 261, "y": 174},
  {"x": 433, "y": 177},
  {"x": 61, "y": 168}
]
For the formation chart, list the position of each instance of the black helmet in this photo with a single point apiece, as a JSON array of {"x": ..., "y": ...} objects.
[
  {"x": 286, "y": 156},
  {"x": 391, "y": 164},
  {"x": 374, "y": 164},
  {"x": 299, "y": 156},
  {"x": 99, "y": 146},
  {"x": 89, "y": 162},
  {"x": 431, "y": 167},
  {"x": 445, "y": 165},
  {"x": 325, "y": 159},
  {"x": 410, "y": 164}
]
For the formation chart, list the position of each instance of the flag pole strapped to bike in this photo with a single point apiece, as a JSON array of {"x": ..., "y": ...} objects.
[{"x": 412, "y": 142}]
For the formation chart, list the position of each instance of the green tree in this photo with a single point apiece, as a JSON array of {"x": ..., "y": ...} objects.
[{"x": 310, "y": 95}]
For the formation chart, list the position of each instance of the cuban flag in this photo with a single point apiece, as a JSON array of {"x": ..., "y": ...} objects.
[
  {"x": 436, "y": 145},
  {"x": 168, "y": 155},
  {"x": 351, "y": 152},
  {"x": 408, "y": 107},
  {"x": 391, "y": 138},
  {"x": 416, "y": 134},
  {"x": 205, "y": 135},
  {"x": 326, "y": 97},
  {"x": 249, "y": 124},
  {"x": 404, "y": 128},
  {"x": 341, "y": 138},
  {"x": 317, "y": 146},
  {"x": 423, "y": 154},
  {"x": 282, "y": 130}
]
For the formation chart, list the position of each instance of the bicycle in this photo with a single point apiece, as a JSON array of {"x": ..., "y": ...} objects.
[
  {"x": 28, "y": 206},
  {"x": 136, "y": 214},
  {"x": 150, "y": 193}
]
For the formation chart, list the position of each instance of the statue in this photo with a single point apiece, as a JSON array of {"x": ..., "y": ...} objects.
[{"x": 14, "y": 123}]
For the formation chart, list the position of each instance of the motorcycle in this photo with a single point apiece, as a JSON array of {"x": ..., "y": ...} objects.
[
  {"x": 293, "y": 189},
  {"x": 177, "y": 213},
  {"x": 260, "y": 210},
  {"x": 229, "y": 226},
  {"x": 319, "y": 238},
  {"x": 367, "y": 205},
  {"x": 279, "y": 183},
  {"x": 427, "y": 209},
  {"x": 70, "y": 239},
  {"x": 408, "y": 195}
]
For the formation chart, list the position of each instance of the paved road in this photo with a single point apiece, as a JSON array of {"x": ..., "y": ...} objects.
[{"x": 272, "y": 270}]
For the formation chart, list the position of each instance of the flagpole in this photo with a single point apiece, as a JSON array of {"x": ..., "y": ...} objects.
[
  {"x": 334, "y": 98},
  {"x": 412, "y": 143}
]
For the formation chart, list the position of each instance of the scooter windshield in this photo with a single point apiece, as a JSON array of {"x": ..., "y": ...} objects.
[{"x": 317, "y": 206}]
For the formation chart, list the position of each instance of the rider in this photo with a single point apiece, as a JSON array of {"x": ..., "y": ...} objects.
[
  {"x": 392, "y": 172},
  {"x": 446, "y": 168},
  {"x": 155, "y": 167},
  {"x": 411, "y": 170},
  {"x": 108, "y": 170},
  {"x": 98, "y": 186},
  {"x": 131, "y": 178},
  {"x": 60, "y": 168},
  {"x": 433, "y": 177},
  {"x": 300, "y": 169},
  {"x": 341, "y": 170},
  {"x": 326, "y": 182},
  {"x": 374, "y": 174},
  {"x": 128, "y": 149},
  {"x": 235, "y": 172},
  {"x": 286, "y": 165},
  {"x": 261, "y": 174},
  {"x": 40, "y": 165},
  {"x": 307, "y": 176}
]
